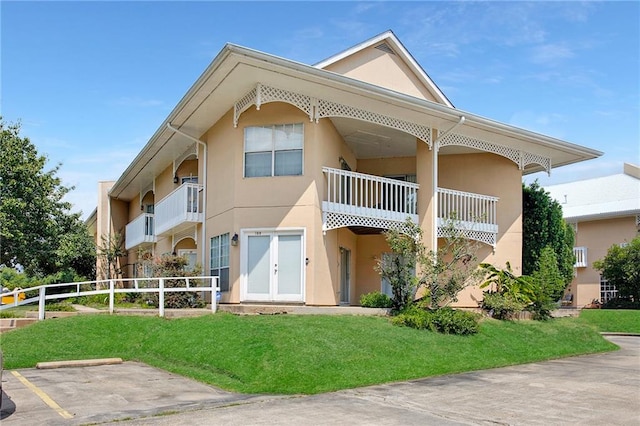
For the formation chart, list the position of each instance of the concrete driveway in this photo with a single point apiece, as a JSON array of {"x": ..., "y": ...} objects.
[{"x": 593, "y": 389}]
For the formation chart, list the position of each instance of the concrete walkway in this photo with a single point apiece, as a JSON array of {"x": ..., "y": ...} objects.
[{"x": 586, "y": 390}]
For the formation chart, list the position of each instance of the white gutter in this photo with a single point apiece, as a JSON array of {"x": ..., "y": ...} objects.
[
  {"x": 436, "y": 148},
  {"x": 204, "y": 189}
]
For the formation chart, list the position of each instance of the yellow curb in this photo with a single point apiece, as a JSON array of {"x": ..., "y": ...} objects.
[{"x": 78, "y": 363}]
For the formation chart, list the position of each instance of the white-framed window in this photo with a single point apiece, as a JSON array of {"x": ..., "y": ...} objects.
[
  {"x": 220, "y": 260},
  {"x": 192, "y": 258},
  {"x": 275, "y": 150},
  {"x": 607, "y": 291},
  {"x": 385, "y": 285}
]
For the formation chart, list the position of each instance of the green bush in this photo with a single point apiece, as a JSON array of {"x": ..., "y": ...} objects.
[
  {"x": 375, "y": 300},
  {"x": 501, "y": 306},
  {"x": 450, "y": 321},
  {"x": 414, "y": 317},
  {"x": 442, "y": 320},
  {"x": 621, "y": 303}
]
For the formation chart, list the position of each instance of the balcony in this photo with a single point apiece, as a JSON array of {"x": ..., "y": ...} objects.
[
  {"x": 360, "y": 200},
  {"x": 580, "y": 254},
  {"x": 179, "y": 209},
  {"x": 140, "y": 231},
  {"x": 475, "y": 215}
]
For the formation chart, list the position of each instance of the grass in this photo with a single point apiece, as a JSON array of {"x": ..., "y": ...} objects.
[
  {"x": 290, "y": 354},
  {"x": 615, "y": 321}
]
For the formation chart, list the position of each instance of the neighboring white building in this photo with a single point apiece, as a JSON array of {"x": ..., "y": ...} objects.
[{"x": 603, "y": 211}]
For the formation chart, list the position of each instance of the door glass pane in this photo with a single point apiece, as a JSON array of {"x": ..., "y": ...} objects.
[
  {"x": 345, "y": 275},
  {"x": 259, "y": 268},
  {"x": 290, "y": 264}
]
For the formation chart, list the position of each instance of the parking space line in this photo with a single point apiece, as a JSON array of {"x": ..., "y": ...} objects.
[{"x": 43, "y": 396}]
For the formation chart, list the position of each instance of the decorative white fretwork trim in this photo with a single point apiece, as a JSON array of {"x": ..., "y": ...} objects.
[
  {"x": 192, "y": 150},
  {"x": 320, "y": 108},
  {"x": 190, "y": 232},
  {"x": 144, "y": 190},
  {"x": 521, "y": 158},
  {"x": 264, "y": 94},
  {"x": 342, "y": 220},
  {"x": 486, "y": 237},
  {"x": 333, "y": 109},
  {"x": 638, "y": 220}
]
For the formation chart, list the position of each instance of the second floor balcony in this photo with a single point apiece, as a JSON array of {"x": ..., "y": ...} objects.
[
  {"x": 580, "y": 254},
  {"x": 139, "y": 231},
  {"x": 358, "y": 201},
  {"x": 182, "y": 207}
]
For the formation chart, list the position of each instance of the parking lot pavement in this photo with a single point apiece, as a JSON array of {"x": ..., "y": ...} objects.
[
  {"x": 102, "y": 393},
  {"x": 593, "y": 389}
]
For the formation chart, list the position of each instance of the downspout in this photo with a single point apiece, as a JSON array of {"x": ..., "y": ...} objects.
[
  {"x": 204, "y": 189},
  {"x": 436, "y": 148}
]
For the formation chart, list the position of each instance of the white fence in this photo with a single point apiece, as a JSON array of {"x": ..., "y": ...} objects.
[
  {"x": 182, "y": 205},
  {"x": 205, "y": 284}
]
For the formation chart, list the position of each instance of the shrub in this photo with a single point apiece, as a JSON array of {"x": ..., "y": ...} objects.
[
  {"x": 621, "y": 303},
  {"x": 501, "y": 306},
  {"x": 414, "y": 317},
  {"x": 450, "y": 321},
  {"x": 375, "y": 300},
  {"x": 442, "y": 320}
]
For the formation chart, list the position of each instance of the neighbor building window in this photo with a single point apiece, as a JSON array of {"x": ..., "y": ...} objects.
[
  {"x": 220, "y": 260},
  {"x": 273, "y": 150},
  {"x": 608, "y": 291}
]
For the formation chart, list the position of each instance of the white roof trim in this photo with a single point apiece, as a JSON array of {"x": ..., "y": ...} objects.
[{"x": 399, "y": 48}]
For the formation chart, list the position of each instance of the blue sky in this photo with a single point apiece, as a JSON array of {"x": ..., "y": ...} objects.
[{"x": 92, "y": 81}]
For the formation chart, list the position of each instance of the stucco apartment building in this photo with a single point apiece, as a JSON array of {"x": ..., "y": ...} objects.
[
  {"x": 603, "y": 211},
  {"x": 280, "y": 177}
]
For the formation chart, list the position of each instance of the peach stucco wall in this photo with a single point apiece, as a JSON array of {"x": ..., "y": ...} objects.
[
  {"x": 382, "y": 69},
  {"x": 236, "y": 203},
  {"x": 597, "y": 236},
  {"x": 494, "y": 175}
]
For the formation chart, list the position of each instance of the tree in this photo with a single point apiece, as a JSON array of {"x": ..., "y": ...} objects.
[
  {"x": 444, "y": 272},
  {"x": 36, "y": 225},
  {"x": 621, "y": 267},
  {"x": 548, "y": 285},
  {"x": 110, "y": 252},
  {"x": 543, "y": 226}
]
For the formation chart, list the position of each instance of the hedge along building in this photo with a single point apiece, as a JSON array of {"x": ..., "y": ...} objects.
[{"x": 280, "y": 177}]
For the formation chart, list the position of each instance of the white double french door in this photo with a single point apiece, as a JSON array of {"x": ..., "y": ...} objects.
[{"x": 272, "y": 266}]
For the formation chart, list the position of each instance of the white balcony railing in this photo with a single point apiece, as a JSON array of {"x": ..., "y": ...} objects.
[
  {"x": 140, "y": 230},
  {"x": 581, "y": 257},
  {"x": 474, "y": 215},
  {"x": 470, "y": 211},
  {"x": 357, "y": 199},
  {"x": 182, "y": 206}
]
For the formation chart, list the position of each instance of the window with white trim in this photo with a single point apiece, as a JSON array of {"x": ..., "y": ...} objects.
[
  {"x": 607, "y": 291},
  {"x": 220, "y": 260},
  {"x": 275, "y": 150}
]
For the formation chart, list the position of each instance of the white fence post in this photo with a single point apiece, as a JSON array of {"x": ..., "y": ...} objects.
[
  {"x": 112, "y": 288},
  {"x": 161, "y": 297},
  {"x": 43, "y": 290},
  {"x": 214, "y": 294}
]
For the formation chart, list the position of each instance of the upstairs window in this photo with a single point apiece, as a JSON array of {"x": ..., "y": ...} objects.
[{"x": 273, "y": 150}]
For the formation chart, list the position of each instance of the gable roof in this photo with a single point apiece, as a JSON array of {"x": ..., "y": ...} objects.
[
  {"x": 387, "y": 41},
  {"x": 598, "y": 198},
  {"x": 237, "y": 70}
]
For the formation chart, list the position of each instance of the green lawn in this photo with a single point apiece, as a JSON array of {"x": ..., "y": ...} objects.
[
  {"x": 288, "y": 354},
  {"x": 616, "y": 321}
]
